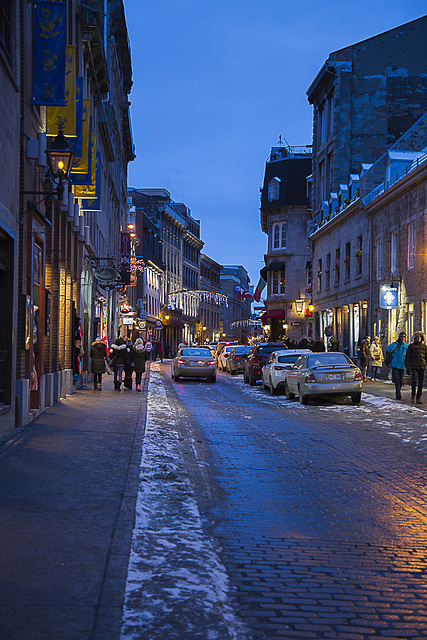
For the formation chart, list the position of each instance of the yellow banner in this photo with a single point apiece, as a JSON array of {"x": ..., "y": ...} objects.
[
  {"x": 89, "y": 190},
  {"x": 64, "y": 118},
  {"x": 80, "y": 165}
]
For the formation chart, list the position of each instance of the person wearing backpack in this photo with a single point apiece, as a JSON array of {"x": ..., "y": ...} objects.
[
  {"x": 416, "y": 362},
  {"x": 395, "y": 359}
]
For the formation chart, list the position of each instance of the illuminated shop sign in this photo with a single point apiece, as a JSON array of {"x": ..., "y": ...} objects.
[{"x": 389, "y": 298}]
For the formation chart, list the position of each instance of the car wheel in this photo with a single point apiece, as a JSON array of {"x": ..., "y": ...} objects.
[
  {"x": 356, "y": 397},
  {"x": 264, "y": 386},
  {"x": 302, "y": 398},
  {"x": 273, "y": 390},
  {"x": 245, "y": 377},
  {"x": 213, "y": 379},
  {"x": 252, "y": 380},
  {"x": 232, "y": 373},
  {"x": 288, "y": 392},
  {"x": 176, "y": 378}
]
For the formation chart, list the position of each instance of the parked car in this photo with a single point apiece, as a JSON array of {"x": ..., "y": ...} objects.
[
  {"x": 324, "y": 374},
  {"x": 194, "y": 362},
  {"x": 257, "y": 357},
  {"x": 236, "y": 360},
  {"x": 274, "y": 370},
  {"x": 221, "y": 346},
  {"x": 223, "y": 356}
]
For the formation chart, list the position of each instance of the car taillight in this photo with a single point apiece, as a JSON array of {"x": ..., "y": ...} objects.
[
  {"x": 236, "y": 357},
  {"x": 358, "y": 376},
  {"x": 211, "y": 362},
  {"x": 310, "y": 378},
  {"x": 182, "y": 362}
]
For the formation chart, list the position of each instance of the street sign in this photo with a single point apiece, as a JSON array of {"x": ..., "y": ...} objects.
[
  {"x": 295, "y": 324},
  {"x": 389, "y": 298}
]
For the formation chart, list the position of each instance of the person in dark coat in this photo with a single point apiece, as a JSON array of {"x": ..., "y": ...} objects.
[
  {"x": 365, "y": 356},
  {"x": 416, "y": 362},
  {"x": 127, "y": 383},
  {"x": 118, "y": 358},
  {"x": 139, "y": 357},
  {"x": 335, "y": 345},
  {"x": 159, "y": 351},
  {"x": 304, "y": 343},
  {"x": 99, "y": 355},
  {"x": 318, "y": 345}
]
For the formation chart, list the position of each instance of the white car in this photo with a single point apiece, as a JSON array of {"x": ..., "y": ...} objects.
[
  {"x": 275, "y": 369},
  {"x": 222, "y": 358}
]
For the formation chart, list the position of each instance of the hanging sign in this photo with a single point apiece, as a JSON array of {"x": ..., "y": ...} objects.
[{"x": 389, "y": 298}]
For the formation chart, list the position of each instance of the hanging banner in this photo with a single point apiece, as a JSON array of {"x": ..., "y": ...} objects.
[
  {"x": 132, "y": 264},
  {"x": 81, "y": 189},
  {"x": 49, "y": 42},
  {"x": 64, "y": 118},
  {"x": 389, "y": 298},
  {"x": 125, "y": 255},
  {"x": 94, "y": 203},
  {"x": 81, "y": 163}
]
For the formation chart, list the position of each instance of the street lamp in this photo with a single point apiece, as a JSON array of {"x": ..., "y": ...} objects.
[
  {"x": 299, "y": 306},
  {"x": 60, "y": 158}
]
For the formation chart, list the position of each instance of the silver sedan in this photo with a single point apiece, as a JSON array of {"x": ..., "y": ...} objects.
[
  {"x": 324, "y": 374},
  {"x": 194, "y": 362}
]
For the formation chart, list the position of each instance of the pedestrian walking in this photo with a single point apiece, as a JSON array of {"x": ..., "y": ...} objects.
[
  {"x": 415, "y": 362},
  {"x": 118, "y": 354},
  {"x": 99, "y": 355},
  {"x": 377, "y": 357},
  {"x": 128, "y": 368},
  {"x": 334, "y": 345},
  {"x": 395, "y": 358},
  {"x": 139, "y": 357},
  {"x": 167, "y": 350},
  {"x": 149, "y": 349},
  {"x": 365, "y": 356},
  {"x": 159, "y": 351},
  {"x": 303, "y": 343}
]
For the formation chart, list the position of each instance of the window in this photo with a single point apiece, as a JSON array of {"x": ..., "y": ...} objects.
[
  {"x": 273, "y": 189},
  {"x": 411, "y": 245},
  {"x": 279, "y": 235},
  {"x": 359, "y": 255},
  {"x": 319, "y": 275},
  {"x": 337, "y": 266},
  {"x": 322, "y": 181},
  {"x": 278, "y": 282},
  {"x": 379, "y": 256},
  {"x": 393, "y": 253},
  {"x": 347, "y": 261},
  {"x": 328, "y": 271}
]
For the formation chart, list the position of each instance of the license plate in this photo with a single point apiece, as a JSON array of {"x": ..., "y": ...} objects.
[{"x": 334, "y": 376}]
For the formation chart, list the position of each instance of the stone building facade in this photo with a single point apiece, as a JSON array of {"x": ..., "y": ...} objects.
[
  {"x": 364, "y": 99},
  {"x": 209, "y": 280},
  {"x": 285, "y": 213},
  {"x": 236, "y": 310}
]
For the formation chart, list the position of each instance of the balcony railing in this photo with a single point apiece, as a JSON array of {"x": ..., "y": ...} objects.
[{"x": 384, "y": 186}]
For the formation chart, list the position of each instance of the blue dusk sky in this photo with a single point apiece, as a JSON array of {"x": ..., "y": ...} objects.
[{"x": 217, "y": 83}]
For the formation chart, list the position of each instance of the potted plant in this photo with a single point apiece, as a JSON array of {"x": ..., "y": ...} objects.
[
  {"x": 347, "y": 259},
  {"x": 337, "y": 264},
  {"x": 358, "y": 254}
]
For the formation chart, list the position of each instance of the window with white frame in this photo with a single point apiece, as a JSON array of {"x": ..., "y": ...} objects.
[
  {"x": 278, "y": 282},
  {"x": 411, "y": 245},
  {"x": 379, "y": 256},
  {"x": 279, "y": 235},
  {"x": 393, "y": 253},
  {"x": 273, "y": 189}
]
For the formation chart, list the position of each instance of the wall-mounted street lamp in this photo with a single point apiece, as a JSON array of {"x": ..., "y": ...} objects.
[
  {"x": 299, "y": 306},
  {"x": 60, "y": 158}
]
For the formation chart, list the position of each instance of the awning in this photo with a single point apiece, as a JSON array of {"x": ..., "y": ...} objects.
[
  {"x": 273, "y": 313},
  {"x": 276, "y": 266},
  {"x": 176, "y": 323}
]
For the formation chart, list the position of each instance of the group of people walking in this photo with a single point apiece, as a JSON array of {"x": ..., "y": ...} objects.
[
  {"x": 399, "y": 357},
  {"x": 124, "y": 358}
]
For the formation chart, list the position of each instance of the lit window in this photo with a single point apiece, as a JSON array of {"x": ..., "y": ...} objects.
[{"x": 278, "y": 282}]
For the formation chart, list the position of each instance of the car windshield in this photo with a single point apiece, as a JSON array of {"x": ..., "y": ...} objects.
[
  {"x": 239, "y": 350},
  {"x": 327, "y": 359},
  {"x": 268, "y": 349},
  {"x": 197, "y": 352},
  {"x": 288, "y": 359}
]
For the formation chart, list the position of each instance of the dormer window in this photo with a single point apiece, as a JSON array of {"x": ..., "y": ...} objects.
[{"x": 273, "y": 189}]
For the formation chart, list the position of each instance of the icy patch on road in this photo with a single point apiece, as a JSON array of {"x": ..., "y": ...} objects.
[{"x": 176, "y": 585}]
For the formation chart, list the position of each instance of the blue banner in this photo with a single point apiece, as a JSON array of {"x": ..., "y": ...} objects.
[
  {"x": 85, "y": 178},
  {"x": 77, "y": 143},
  {"x": 49, "y": 41}
]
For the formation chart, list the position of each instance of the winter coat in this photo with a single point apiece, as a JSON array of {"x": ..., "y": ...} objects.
[
  {"x": 128, "y": 357},
  {"x": 377, "y": 357},
  {"x": 139, "y": 356},
  {"x": 98, "y": 353},
  {"x": 118, "y": 353},
  {"x": 416, "y": 356},
  {"x": 303, "y": 343},
  {"x": 365, "y": 354},
  {"x": 399, "y": 350},
  {"x": 318, "y": 346}
]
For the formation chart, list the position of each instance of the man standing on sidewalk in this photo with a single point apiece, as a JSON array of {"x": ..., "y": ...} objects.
[
  {"x": 396, "y": 351},
  {"x": 416, "y": 361}
]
